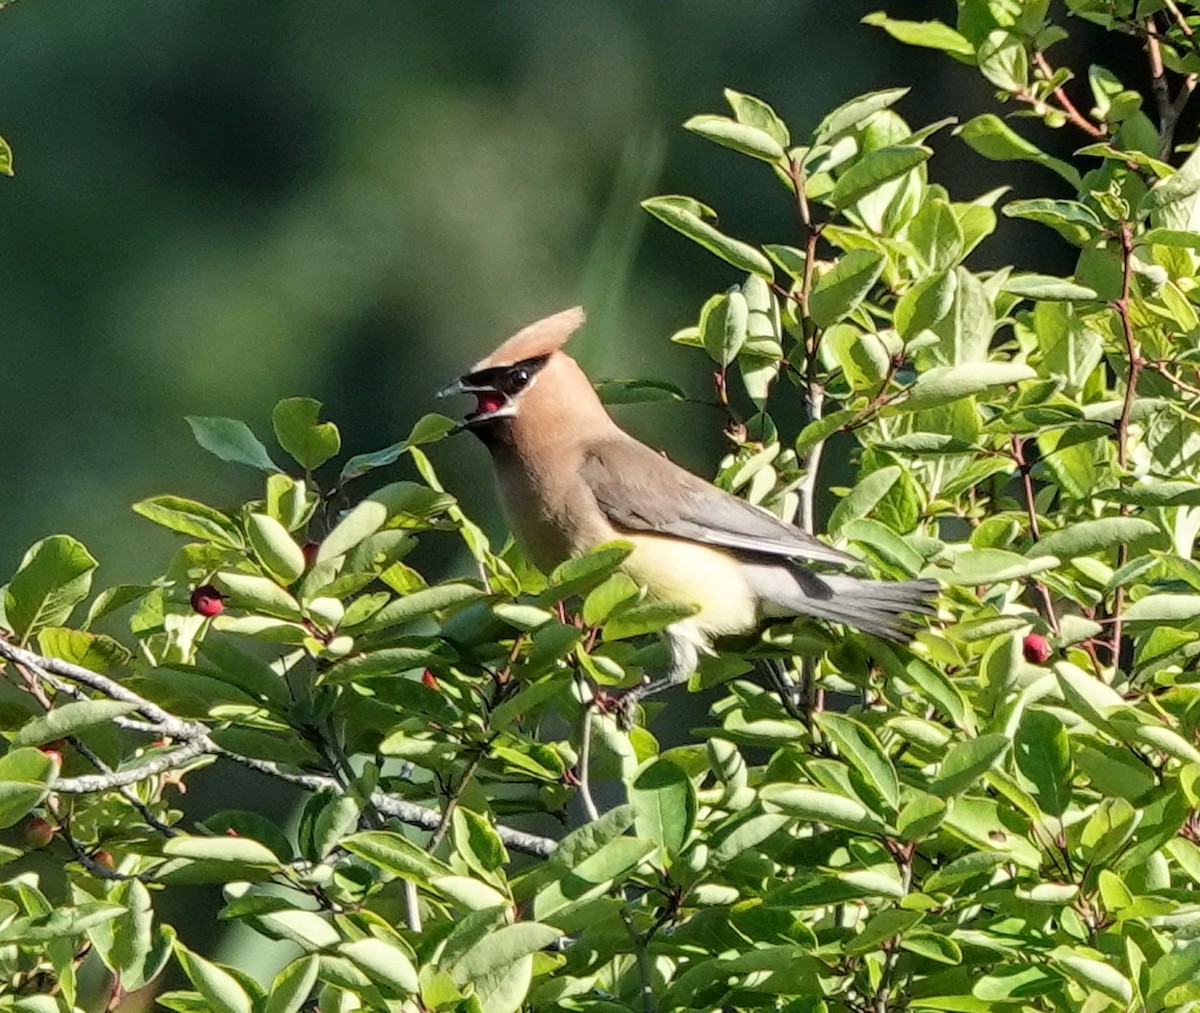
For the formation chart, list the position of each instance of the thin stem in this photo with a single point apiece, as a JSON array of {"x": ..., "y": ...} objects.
[
  {"x": 1018, "y": 453},
  {"x": 585, "y": 763},
  {"x": 1121, "y": 305},
  {"x": 452, "y": 801},
  {"x": 1064, "y": 101},
  {"x": 645, "y": 971}
]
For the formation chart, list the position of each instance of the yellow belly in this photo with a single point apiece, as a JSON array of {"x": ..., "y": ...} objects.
[{"x": 672, "y": 569}]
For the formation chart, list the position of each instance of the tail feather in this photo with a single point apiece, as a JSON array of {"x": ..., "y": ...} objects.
[{"x": 883, "y": 608}]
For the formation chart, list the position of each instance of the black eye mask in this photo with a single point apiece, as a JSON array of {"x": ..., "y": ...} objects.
[{"x": 507, "y": 380}]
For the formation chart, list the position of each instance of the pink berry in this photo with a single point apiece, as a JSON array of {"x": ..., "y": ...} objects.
[
  {"x": 1036, "y": 648},
  {"x": 208, "y": 601}
]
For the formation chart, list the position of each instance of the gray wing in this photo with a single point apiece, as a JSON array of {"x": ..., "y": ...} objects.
[{"x": 640, "y": 490}]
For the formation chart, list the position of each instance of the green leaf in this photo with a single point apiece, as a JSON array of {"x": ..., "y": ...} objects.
[
  {"x": 238, "y": 850},
  {"x": 664, "y": 806},
  {"x": 25, "y": 776},
  {"x": 70, "y": 719},
  {"x": 838, "y": 291},
  {"x": 220, "y": 988},
  {"x": 257, "y": 594},
  {"x": 396, "y": 854},
  {"x": 929, "y": 34},
  {"x": 191, "y": 518},
  {"x": 1182, "y": 186},
  {"x": 723, "y": 321},
  {"x": 1043, "y": 757},
  {"x": 857, "y": 745},
  {"x": 991, "y": 137},
  {"x": 882, "y": 927},
  {"x": 6, "y": 157},
  {"x": 639, "y": 391},
  {"x": 418, "y": 605},
  {"x": 231, "y": 440},
  {"x": 275, "y": 548},
  {"x": 309, "y": 442},
  {"x": 384, "y": 963},
  {"x": 945, "y": 384},
  {"x": 741, "y": 137},
  {"x": 90, "y": 650},
  {"x": 607, "y": 596},
  {"x": 1003, "y": 61},
  {"x": 932, "y": 946},
  {"x": 967, "y": 761},
  {"x": 819, "y": 805},
  {"x": 501, "y": 948},
  {"x": 54, "y": 576},
  {"x": 864, "y": 497},
  {"x": 688, "y": 217},
  {"x": 1164, "y": 609},
  {"x": 873, "y": 170},
  {"x": 428, "y": 429},
  {"x": 973, "y": 567},
  {"x": 1075, "y": 222},
  {"x": 1042, "y": 286},
  {"x": 644, "y": 617},
  {"x": 937, "y": 235},
  {"x": 923, "y": 305},
  {"x": 1088, "y": 537},
  {"x": 400, "y": 499},
  {"x": 1093, "y": 973},
  {"x": 756, "y": 113},
  {"x": 293, "y": 985},
  {"x": 920, "y": 816},
  {"x": 856, "y": 112}
]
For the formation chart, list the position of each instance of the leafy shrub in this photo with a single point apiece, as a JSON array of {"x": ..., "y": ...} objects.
[{"x": 1003, "y": 814}]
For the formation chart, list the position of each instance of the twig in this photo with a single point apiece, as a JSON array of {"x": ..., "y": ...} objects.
[
  {"x": 452, "y": 801},
  {"x": 1162, "y": 367},
  {"x": 1018, "y": 453},
  {"x": 1121, "y": 305},
  {"x": 645, "y": 972},
  {"x": 1064, "y": 101},
  {"x": 585, "y": 763},
  {"x": 198, "y": 742},
  {"x": 815, "y": 392},
  {"x": 130, "y": 796}
]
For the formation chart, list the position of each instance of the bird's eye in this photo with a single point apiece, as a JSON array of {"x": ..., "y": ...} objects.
[{"x": 520, "y": 377}]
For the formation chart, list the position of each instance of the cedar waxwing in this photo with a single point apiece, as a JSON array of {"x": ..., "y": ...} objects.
[{"x": 570, "y": 479}]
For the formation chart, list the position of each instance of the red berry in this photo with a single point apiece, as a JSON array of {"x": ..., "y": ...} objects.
[
  {"x": 208, "y": 601},
  {"x": 38, "y": 833},
  {"x": 53, "y": 755},
  {"x": 57, "y": 744},
  {"x": 105, "y": 860},
  {"x": 1036, "y": 648},
  {"x": 310, "y": 550},
  {"x": 430, "y": 680}
]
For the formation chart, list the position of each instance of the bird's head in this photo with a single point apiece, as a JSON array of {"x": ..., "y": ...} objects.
[{"x": 528, "y": 375}]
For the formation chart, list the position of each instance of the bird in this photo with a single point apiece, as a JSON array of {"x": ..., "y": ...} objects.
[{"x": 570, "y": 479}]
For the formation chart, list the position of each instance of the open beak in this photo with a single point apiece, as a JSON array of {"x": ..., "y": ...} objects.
[{"x": 491, "y": 402}]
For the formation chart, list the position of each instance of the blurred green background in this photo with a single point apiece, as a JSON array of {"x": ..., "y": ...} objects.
[{"x": 219, "y": 204}]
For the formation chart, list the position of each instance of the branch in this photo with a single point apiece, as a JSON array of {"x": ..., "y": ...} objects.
[{"x": 198, "y": 742}]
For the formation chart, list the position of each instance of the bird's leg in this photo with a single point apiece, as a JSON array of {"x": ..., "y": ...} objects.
[
  {"x": 685, "y": 642},
  {"x": 791, "y": 695}
]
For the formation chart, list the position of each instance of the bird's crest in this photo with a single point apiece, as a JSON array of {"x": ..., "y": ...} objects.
[{"x": 538, "y": 339}]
